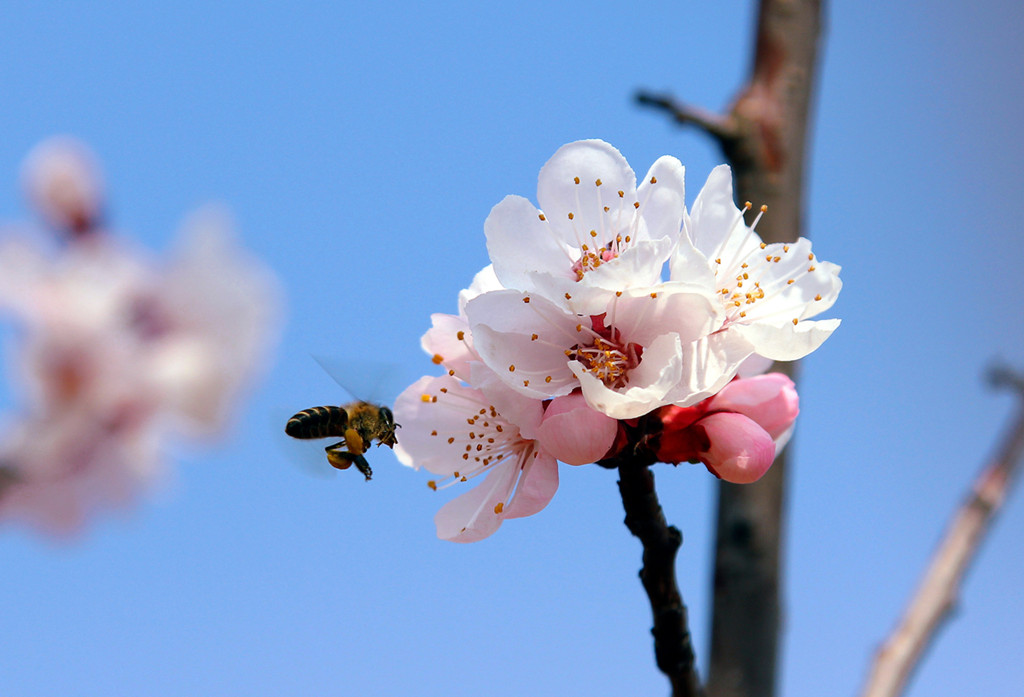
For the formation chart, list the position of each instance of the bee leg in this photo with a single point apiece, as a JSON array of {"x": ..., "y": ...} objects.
[
  {"x": 355, "y": 442},
  {"x": 342, "y": 459},
  {"x": 338, "y": 458}
]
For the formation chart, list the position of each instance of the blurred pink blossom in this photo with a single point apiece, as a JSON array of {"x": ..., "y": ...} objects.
[{"x": 117, "y": 350}]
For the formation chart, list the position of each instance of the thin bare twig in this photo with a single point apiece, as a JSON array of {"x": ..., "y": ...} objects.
[
  {"x": 720, "y": 127},
  {"x": 673, "y": 646},
  {"x": 936, "y": 596}
]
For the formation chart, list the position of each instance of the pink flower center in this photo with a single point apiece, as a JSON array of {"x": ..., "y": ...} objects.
[
  {"x": 610, "y": 357},
  {"x": 590, "y": 258}
]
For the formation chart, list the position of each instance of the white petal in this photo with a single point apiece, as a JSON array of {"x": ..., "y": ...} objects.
[
  {"x": 714, "y": 224},
  {"x": 589, "y": 161},
  {"x": 518, "y": 240},
  {"x": 484, "y": 280},
  {"x": 688, "y": 264},
  {"x": 663, "y": 203},
  {"x": 504, "y": 327},
  {"x": 786, "y": 341},
  {"x": 708, "y": 365},
  {"x": 515, "y": 408},
  {"x": 644, "y": 314},
  {"x": 442, "y": 340}
]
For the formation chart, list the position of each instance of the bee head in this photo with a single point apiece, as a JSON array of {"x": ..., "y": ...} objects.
[{"x": 388, "y": 418}]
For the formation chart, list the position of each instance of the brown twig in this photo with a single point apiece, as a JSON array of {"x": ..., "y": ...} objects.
[
  {"x": 722, "y": 128},
  {"x": 936, "y": 596},
  {"x": 673, "y": 646}
]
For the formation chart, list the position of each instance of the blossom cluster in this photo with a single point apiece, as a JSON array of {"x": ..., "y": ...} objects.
[
  {"x": 572, "y": 337},
  {"x": 115, "y": 350}
]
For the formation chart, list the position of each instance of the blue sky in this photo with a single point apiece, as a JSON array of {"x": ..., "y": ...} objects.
[{"x": 361, "y": 148}]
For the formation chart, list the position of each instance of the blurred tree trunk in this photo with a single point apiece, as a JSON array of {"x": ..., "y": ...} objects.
[{"x": 764, "y": 137}]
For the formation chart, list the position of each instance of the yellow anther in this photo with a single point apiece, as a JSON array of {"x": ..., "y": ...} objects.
[
  {"x": 597, "y": 183},
  {"x": 499, "y": 508},
  {"x": 547, "y": 379},
  {"x": 512, "y": 369},
  {"x": 432, "y": 484},
  {"x": 526, "y": 383},
  {"x": 636, "y": 204},
  {"x": 424, "y": 398},
  {"x": 790, "y": 282},
  {"x": 571, "y": 216},
  {"x": 460, "y": 335},
  {"x": 654, "y": 180},
  {"x": 541, "y": 216},
  {"x": 809, "y": 269},
  {"x": 437, "y": 359},
  {"x": 817, "y": 297},
  {"x": 747, "y": 205},
  {"x": 533, "y": 337},
  {"x": 795, "y": 320},
  {"x": 593, "y": 233},
  {"x": 576, "y": 179},
  {"x": 764, "y": 208},
  {"x": 526, "y": 299}
]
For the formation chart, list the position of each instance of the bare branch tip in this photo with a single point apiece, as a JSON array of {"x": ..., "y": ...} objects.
[{"x": 1001, "y": 375}]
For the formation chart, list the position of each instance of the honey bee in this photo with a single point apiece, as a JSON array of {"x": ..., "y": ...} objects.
[{"x": 357, "y": 424}]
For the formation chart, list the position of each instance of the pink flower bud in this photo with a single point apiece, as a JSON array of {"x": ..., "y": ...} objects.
[
  {"x": 769, "y": 400},
  {"x": 740, "y": 451},
  {"x": 574, "y": 433}
]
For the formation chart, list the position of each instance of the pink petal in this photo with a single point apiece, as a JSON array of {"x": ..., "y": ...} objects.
[
  {"x": 473, "y": 516},
  {"x": 537, "y": 484},
  {"x": 769, "y": 400},
  {"x": 741, "y": 451},
  {"x": 574, "y": 433}
]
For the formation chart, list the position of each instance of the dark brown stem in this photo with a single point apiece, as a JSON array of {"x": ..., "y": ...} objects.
[
  {"x": 764, "y": 138},
  {"x": 936, "y": 596},
  {"x": 673, "y": 646}
]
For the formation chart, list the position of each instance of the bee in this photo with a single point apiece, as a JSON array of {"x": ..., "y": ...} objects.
[{"x": 357, "y": 424}]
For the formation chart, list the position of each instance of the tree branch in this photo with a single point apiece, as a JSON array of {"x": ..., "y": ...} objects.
[
  {"x": 673, "y": 646},
  {"x": 936, "y": 596},
  {"x": 721, "y": 128}
]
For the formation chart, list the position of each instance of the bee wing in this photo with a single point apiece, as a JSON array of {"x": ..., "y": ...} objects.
[{"x": 377, "y": 382}]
